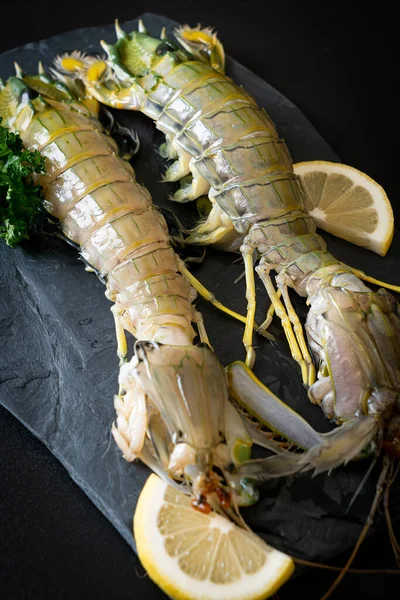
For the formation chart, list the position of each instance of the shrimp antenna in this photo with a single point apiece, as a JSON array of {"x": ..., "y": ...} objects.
[
  {"x": 370, "y": 519},
  {"x": 360, "y": 487},
  {"x": 392, "y": 537},
  {"x": 309, "y": 563}
]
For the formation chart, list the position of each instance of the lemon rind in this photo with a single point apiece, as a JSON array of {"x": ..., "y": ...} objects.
[
  {"x": 378, "y": 241},
  {"x": 173, "y": 581}
]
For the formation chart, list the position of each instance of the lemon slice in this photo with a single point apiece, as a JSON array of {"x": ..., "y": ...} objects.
[
  {"x": 347, "y": 203},
  {"x": 194, "y": 556}
]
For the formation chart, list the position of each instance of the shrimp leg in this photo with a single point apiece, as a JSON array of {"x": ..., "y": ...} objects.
[
  {"x": 247, "y": 253},
  {"x": 365, "y": 277},
  {"x": 207, "y": 295},
  {"x": 202, "y": 329},
  {"x": 299, "y": 333},
  {"x": 263, "y": 272},
  {"x": 122, "y": 347},
  {"x": 270, "y": 313}
]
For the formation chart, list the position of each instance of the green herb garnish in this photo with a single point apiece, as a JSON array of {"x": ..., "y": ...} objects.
[{"x": 19, "y": 197}]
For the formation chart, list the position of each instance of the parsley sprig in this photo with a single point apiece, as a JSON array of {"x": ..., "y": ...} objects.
[{"x": 19, "y": 197}]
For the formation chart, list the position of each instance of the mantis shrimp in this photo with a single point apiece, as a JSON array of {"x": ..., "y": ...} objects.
[
  {"x": 226, "y": 146},
  {"x": 173, "y": 409}
]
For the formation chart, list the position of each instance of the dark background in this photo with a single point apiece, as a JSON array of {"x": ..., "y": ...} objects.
[{"x": 339, "y": 65}]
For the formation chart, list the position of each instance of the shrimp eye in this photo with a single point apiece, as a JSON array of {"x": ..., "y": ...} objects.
[{"x": 163, "y": 48}]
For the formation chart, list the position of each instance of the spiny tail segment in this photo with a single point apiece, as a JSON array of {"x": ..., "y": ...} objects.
[
  {"x": 203, "y": 43},
  {"x": 183, "y": 94},
  {"x": 17, "y": 93}
]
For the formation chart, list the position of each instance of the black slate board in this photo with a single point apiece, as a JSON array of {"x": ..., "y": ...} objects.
[{"x": 58, "y": 369}]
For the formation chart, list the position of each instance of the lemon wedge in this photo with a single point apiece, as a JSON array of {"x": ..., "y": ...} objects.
[
  {"x": 347, "y": 203},
  {"x": 196, "y": 556}
]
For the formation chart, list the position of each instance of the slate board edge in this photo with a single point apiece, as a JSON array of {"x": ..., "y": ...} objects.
[{"x": 93, "y": 497}]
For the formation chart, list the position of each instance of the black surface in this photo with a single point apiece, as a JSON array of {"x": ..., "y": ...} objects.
[{"x": 77, "y": 537}]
